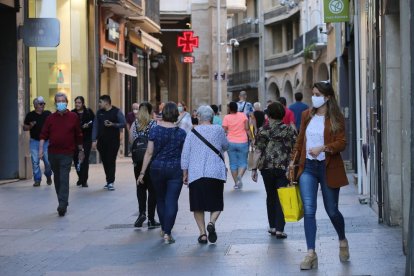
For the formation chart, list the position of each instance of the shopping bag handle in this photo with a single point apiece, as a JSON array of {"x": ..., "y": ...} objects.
[{"x": 292, "y": 180}]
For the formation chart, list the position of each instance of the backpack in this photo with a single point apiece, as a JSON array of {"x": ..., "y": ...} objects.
[{"x": 139, "y": 146}]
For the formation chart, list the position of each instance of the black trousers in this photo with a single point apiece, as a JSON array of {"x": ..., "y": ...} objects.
[
  {"x": 83, "y": 174},
  {"x": 274, "y": 179},
  {"x": 108, "y": 151},
  {"x": 142, "y": 193},
  {"x": 61, "y": 164}
]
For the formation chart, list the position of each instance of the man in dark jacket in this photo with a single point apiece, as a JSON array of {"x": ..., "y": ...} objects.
[{"x": 108, "y": 123}]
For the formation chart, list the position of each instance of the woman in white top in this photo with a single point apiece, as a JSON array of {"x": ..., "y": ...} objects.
[
  {"x": 205, "y": 176},
  {"x": 317, "y": 152},
  {"x": 184, "y": 119}
]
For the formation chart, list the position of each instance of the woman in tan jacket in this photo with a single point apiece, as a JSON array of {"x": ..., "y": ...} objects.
[{"x": 317, "y": 152}]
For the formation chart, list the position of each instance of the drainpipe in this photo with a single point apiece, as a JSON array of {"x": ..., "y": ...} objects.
[
  {"x": 262, "y": 95},
  {"x": 409, "y": 267},
  {"x": 219, "y": 96},
  {"x": 358, "y": 95}
]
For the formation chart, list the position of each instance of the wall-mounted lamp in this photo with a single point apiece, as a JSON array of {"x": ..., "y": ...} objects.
[{"x": 157, "y": 60}]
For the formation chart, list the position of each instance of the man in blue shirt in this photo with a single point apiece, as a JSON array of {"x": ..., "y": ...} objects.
[
  {"x": 298, "y": 107},
  {"x": 243, "y": 105}
]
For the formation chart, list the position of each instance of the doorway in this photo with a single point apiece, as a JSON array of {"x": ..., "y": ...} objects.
[{"x": 9, "y": 148}]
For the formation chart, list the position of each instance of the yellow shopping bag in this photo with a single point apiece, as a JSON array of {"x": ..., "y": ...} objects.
[{"x": 291, "y": 203}]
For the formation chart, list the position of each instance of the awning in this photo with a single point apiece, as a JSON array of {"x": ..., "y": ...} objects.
[
  {"x": 123, "y": 67},
  {"x": 151, "y": 41},
  {"x": 134, "y": 39}
]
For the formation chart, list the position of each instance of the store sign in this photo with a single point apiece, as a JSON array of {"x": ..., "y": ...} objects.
[
  {"x": 187, "y": 42},
  {"x": 112, "y": 33},
  {"x": 336, "y": 10},
  {"x": 41, "y": 32},
  {"x": 187, "y": 59}
]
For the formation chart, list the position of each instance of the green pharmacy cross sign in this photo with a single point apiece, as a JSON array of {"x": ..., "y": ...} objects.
[{"x": 336, "y": 10}]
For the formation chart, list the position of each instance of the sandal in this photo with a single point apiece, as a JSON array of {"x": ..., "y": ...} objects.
[
  {"x": 212, "y": 235},
  {"x": 281, "y": 236},
  {"x": 201, "y": 240},
  {"x": 273, "y": 233}
]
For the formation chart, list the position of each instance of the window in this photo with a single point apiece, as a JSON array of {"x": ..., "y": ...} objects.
[
  {"x": 289, "y": 35},
  {"x": 277, "y": 37},
  {"x": 245, "y": 59},
  {"x": 236, "y": 65}
]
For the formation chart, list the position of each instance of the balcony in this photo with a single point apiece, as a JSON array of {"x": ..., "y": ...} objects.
[
  {"x": 152, "y": 10},
  {"x": 244, "y": 32},
  {"x": 243, "y": 80},
  {"x": 235, "y": 6},
  {"x": 123, "y": 7},
  {"x": 279, "y": 14},
  {"x": 150, "y": 22},
  {"x": 312, "y": 37},
  {"x": 282, "y": 62}
]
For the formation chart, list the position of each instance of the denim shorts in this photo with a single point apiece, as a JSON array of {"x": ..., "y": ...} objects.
[{"x": 238, "y": 153}]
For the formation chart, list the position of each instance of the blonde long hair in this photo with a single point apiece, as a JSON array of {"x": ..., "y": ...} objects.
[
  {"x": 333, "y": 111},
  {"x": 144, "y": 116}
]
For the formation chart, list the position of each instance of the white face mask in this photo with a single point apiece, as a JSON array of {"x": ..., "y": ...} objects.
[
  {"x": 135, "y": 111},
  {"x": 318, "y": 101},
  {"x": 180, "y": 109}
]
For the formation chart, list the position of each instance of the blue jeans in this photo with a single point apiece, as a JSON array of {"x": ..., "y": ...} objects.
[
  {"x": 34, "y": 152},
  {"x": 167, "y": 184},
  {"x": 238, "y": 153},
  {"x": 313, "y": 174}
]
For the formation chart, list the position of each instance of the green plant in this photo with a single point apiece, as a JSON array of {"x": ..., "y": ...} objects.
[{"x": 307, "y": 53}]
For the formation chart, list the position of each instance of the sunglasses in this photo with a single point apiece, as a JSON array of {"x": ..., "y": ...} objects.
[{"x": 41, "y": 103}]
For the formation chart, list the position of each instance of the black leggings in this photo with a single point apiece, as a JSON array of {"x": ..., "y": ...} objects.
[{"x": 142, "y": 193}]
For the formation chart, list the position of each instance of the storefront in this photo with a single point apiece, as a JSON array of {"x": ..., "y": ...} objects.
[{"x": 64, "y": 68}]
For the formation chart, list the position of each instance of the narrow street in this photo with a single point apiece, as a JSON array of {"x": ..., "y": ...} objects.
[{"x": 96, "y": 237}]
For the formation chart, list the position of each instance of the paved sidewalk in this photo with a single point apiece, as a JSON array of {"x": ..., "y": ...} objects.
[{"x": 97, "y": 237}]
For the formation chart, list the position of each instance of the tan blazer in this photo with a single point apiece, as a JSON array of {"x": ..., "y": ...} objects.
[{"x": 335, "y": 143}]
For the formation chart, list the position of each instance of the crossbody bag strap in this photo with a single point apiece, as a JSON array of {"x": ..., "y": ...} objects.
[
  {"x": 213, "y": 148},
  {"x": 244, "y": 106}
]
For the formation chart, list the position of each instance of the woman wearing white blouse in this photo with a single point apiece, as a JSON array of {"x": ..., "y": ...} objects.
[{"x": 317, "y": 152}]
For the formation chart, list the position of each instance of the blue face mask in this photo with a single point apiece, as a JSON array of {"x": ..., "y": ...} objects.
[{"x": 61, "y": 106}]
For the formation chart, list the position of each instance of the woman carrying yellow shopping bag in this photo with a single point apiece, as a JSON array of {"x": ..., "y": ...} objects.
[
  {"x": 317, "y": 152},
  {"x": 273, "y": 146}
]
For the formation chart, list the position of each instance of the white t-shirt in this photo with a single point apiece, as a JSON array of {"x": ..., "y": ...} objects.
[
  {"x": 315, "y": 136},
  {"x": 184, "y": 122}
]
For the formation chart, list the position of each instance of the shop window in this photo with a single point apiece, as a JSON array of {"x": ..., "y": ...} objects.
[{"x": 65, "y": 67}]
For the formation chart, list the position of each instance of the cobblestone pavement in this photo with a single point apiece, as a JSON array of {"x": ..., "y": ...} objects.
[{"x": 97, "y": 237}]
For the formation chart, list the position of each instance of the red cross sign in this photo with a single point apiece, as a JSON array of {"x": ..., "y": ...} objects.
[{"x": 187, "y": 41}]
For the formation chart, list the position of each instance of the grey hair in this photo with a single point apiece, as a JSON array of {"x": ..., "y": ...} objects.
[
  {"x": 61, "y": 94},
  {"x": 256, "y": 106},
  {"x": 205, "y": 113}
]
